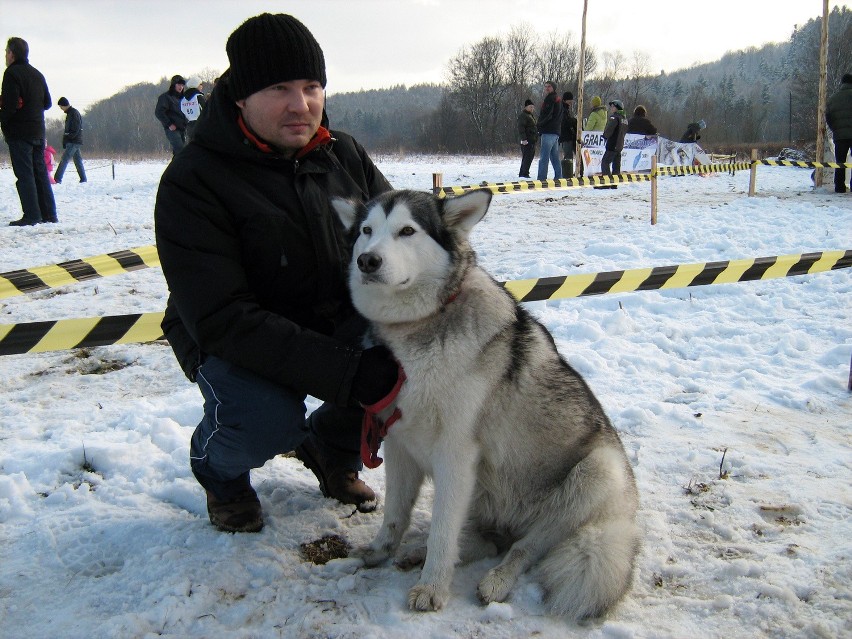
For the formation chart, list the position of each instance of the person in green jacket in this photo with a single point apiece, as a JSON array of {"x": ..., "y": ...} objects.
[
  {"x": 598, "y": 116},
  {"x": 838, "y": 115}
]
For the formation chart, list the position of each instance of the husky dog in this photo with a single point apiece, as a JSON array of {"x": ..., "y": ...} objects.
[{"x": 521, "y": 453}]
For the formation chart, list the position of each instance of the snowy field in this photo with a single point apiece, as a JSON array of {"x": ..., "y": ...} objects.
[{"x": 104, "y": 531}]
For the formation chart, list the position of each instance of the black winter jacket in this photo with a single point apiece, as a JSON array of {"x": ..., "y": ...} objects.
[
  {"x": 838, "y": 113},
  {"x": 526, "y": 127},
  {"x": 641, "y": 126},
  {"x": 168, "y": 110},
  {"x": 550, "y": 115},
  {"x": 73, "y": 127},
  {"x": 568, "y": 129},
  {"x": 24, "y": 98},
  {"x": 255, "y": 258},
  {"x": 616, "y": 129}
]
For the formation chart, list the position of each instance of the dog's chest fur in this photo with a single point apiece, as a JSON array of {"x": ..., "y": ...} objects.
[{"x": 449, "y": 360}]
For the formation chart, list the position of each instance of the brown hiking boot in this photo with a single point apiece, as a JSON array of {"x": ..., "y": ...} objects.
[
  {"x": 341, "y": 484},
  {"x": 240, "y": 512}
]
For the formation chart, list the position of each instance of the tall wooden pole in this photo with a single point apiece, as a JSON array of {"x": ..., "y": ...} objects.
[
  {"x": 823, "y": 70},
  {"x": 578, "y": 157}
]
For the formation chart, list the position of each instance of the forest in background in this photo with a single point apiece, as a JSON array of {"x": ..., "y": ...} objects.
[{"x": 764, "y": 97}]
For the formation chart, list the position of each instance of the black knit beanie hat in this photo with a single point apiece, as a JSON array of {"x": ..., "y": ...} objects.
[
  {"x": 63, "y": 101},
  {"x": 271, "y": 48}
]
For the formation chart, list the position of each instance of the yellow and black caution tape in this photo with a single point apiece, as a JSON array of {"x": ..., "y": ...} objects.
[
  {"x": 60, "y": 335},
  {"x": 678, "y": 276},
  {"x": 543, "y": 185},
  {"x": 703, "y": 168},
  {"x": 38, "y": 337},
  {"x": 41, "y": 277},
  {"x": 806, "y": 165}
]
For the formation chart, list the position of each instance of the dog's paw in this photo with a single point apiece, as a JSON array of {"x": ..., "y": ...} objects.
[
  {"x": 494, "y": 586},
  {"x": 372, "y": 555},
  {"x": 427, "y": 597},
  {"x": 411, "y": 559}
]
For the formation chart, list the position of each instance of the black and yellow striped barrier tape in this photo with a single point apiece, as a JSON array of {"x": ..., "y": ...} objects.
[
  {"x": 678, "y": 276},
  {"x": 60, "y": 335},
  {"x": 539, "y": 185},
  {"x": 806, "y": 165},
  {"x": 703, "y": 168},
  {"x": 39, "y": 337},
  {"x": 42, "y": 277}
]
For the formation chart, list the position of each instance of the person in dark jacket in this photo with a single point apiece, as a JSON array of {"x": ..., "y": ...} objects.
[
  {"x": 259, "y": 313},
  {"x": 549, "y": 124},
  {"x": 616, "y": 129},
  {"x": 838, "y": 116},
  {"x": 692, "y": 133},
  {"x": 169, "y": 113},
  {"x": 24, "y": 98},
  {"x": 568, "y": 134},
  {"x": 640, "y": 124},
  {"x": 72, "y": 141},
  {"x": 529, "y": 135}
]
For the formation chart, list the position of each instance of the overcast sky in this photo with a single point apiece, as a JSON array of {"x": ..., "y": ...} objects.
[{"x": 90, "y": 49}]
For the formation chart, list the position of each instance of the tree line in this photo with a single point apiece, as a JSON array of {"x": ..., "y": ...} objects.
[{"x": 764, "y": 94}]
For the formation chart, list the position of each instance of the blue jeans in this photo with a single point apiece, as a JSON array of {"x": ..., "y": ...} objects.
[
  {"x": 248, "y": 420},
  {"x": 177, "y": 139},
  {"x": 34, "y": 191},
  {"x": 549, "y": 152},
  {"x": 72, "y": 151}
]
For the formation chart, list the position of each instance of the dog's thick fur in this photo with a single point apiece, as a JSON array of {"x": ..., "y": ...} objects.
[{"x": 519, "y": 449}]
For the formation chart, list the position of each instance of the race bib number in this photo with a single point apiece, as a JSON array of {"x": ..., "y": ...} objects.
[{"x": 190, "y": 107}]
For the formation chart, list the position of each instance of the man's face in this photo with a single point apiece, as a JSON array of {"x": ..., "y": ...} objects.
[
  {"x": 179, "y": 87},
  {"x": 10, "y": 57},
  {"x": 287, "y": 114},
  {"x": 548, "y": 89}
]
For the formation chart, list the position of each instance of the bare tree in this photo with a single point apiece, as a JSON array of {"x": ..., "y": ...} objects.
[
  {"x": 639, "y": 77},
  {"x": 607, "y": 82},
  {"x": 478, "y": 82}
]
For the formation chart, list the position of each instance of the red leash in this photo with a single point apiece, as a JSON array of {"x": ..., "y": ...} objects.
[{"x": 373, "y": 429}]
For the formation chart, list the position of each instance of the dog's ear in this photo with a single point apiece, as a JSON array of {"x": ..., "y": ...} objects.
[
  {"x": 346, "y": 210},
  {"x": 465, "y": 211}
]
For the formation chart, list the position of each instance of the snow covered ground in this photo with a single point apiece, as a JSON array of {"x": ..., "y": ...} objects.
[{"x": 104, "y": 532}]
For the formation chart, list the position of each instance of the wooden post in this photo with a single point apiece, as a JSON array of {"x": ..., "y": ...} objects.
[
  {"x": 753, "y": 179},
  {"x": 850, "y": 377},
  {"x": 653, "y": 189},
  {"x": 437, "y": 182},
  {"x": 581, "y": 74},
  {"x": 823, "y": 64},
  {"x": 113, "y": 170}
]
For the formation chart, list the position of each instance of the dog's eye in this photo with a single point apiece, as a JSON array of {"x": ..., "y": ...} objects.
[
  {"x": 406, "y": 231},
  {"x": 367, "y": 230}
]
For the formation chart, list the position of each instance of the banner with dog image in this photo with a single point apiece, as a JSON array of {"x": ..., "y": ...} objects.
[
  {"x": 638, "y": 151},
  {"x": 635, "y": 158}
]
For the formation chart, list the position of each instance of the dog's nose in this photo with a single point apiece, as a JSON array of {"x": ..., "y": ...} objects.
[{"x": 369, "y": 262}]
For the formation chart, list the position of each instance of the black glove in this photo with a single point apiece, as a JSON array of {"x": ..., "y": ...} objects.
[{"x": 376, "y": 376}]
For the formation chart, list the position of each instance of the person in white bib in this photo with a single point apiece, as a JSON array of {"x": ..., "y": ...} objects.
[{"x": 191, "y": 104}]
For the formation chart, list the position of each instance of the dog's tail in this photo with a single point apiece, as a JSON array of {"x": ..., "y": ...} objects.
[{"x": 587, "y": 573}]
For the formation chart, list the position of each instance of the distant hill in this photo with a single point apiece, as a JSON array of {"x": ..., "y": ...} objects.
[{"x": 385, "y": 119}]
